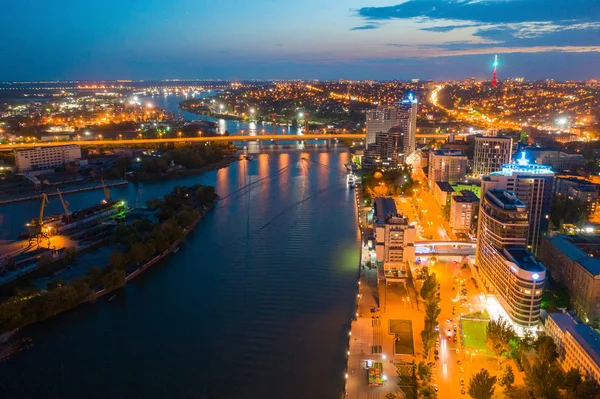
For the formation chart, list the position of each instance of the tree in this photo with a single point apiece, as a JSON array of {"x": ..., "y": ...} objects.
[
  {"x": 429, "y": 287},
  {"x": 508, "y": 377},
  {"x": 429, "y": 336},
  {"x": 139, "y": 252},
  {"x": 432, "y": 310},
  {"x": 481, "y": 385},
  {"x": 118, "y": 260},
  {"x": 572, "y": 381},
  {"x": 498, "y": 336},
  {"x": 544, "y": 379},
  {"x": 588, "y": 389},
  {"x": 545, "y": 350},
  {"x": 114, "y": 279}
]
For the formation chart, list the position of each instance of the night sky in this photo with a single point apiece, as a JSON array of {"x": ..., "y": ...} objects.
[{"x": 285, "y": 39}]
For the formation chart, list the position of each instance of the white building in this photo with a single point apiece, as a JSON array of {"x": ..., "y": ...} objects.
[
  {"x": 395, "y": 238},
  {"x": 40, "y": 158},
  {"x": 490, "y": 154},
  {"x": 463, "y": 211},
  {"x": 577, "y": 344}
]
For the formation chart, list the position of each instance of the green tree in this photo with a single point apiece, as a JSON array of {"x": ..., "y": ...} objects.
[
  {"x": 588, "y": 389},
  {"x": 545, "y": 350},
  {"x": 118, "y": 260},
  {"x": 481, "y": 385},
  {"x": 544, "y": 379},
  {"x": 429, "y": 287},
  {"x": 508, "y": 377},
  {"x": 499, "y": 334},
  {"x": 428, "y": 336},
  {"x": 114, "y": 279},
  {"x": 139, "y": 252},
  {"x": 571, "y": 381}
]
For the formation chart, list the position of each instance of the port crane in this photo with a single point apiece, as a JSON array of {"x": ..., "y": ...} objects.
[
  {"x": 64, "y": 205},
  {"x": 106, "y": 190},
  {"x": 36, "y": 226}
]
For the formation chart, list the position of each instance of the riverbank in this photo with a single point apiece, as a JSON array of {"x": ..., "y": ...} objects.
[
  {"x": 191, "y": 172},
  {"x": 36, "y": 196},
  {"x": 177, "y": 214}
]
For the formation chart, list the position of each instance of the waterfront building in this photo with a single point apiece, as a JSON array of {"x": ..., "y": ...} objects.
[
  {"x": 577, "y": 344},
  {"x": 490, "y": 154},
  {"x": 533, "y": 184},
  {"x": 446, "y": 165},
  {"x": 576, "y": 269},
  {"x": 394, "y": 237},
  {"x": 46, "y": 158},
  {"x": 507, "y": 269},
  {"x": 402, "y": 114},
  {"x": 463, "y": 211}
]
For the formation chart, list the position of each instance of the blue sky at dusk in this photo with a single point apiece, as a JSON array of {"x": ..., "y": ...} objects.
[{"x": 324, "y": 39}]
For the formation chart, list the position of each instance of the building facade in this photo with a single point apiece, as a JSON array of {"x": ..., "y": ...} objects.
[
  {"x": 402, "y": 117},
  {"x": 577, "y": 270},
  {"x": 577, "y": 344},
  {"x": 387, "y": 151},
  {"x": 447, "y": 166},
  {"x": 394, "y": 236},
  {"x": 533, "y": 184},
  {"x": 463, "y": 211},
  {"x": 507, "y": 269},
  {"x": 40, "y": 158},
  {"x": 490, "y": 154}
]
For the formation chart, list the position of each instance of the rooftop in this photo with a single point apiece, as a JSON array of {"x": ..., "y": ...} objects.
[
  {"x": 525, "y": 260},
  {"x": 505, "y": 199},
  {"x": 385, "y": 212},
  {"x": 585, "y": 335},
  {"x": 447, "y": 152},
  {"x": 444, "y": 186},
  {"x": 566, "y": 245},
  {"x": 522, "y": 166}
]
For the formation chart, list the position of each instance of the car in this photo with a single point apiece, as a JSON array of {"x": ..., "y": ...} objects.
[
  {"x": 461, "y": 369},
  {"x": 462, "y": 381},
  {"x": 436, "y": 352},
  {"x": 431, "y": 364},
  {"x": 437, "y": 358},
  {"x": 463, "y": 391},
  {"x": 458, "y": 362},
  {"x": 453, "y": 312},
  {"x": 454, "y": 325},
  {"x": 435, "y": 387}
]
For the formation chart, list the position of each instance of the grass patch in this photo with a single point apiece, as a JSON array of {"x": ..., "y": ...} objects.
[{"x": 474, "y": 334}]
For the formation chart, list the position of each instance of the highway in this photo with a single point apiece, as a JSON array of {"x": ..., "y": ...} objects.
[{"x": 205, "y": 139}]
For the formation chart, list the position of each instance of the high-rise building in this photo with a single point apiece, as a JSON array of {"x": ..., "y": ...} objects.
[
  {"x": 490, "y": 154},
  {"x": 402, "y": 114},
  {"x": 463, "y": 210},
  {"x": 387, "y": 150},
  {"x": 532, "y": 184},
  {"x": 446, "y": 165},
  {"x": 507, "y": 269}
]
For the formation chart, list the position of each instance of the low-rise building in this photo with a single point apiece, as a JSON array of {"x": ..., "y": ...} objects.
[
  {"x": 45, "y": 158},
  {"x": 578, "y": 345},
  {"x": 463, "y": 209},
  {"x": 394, "y": 236},
  {"x": 569, "y": 264},
  {"x": 557, "y": 159},
  {"x": 443, "y": 192}
]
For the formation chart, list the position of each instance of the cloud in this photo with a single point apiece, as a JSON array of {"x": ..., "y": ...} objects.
[
  {"x": 369, "y": 26},
  {"x": 487, "y": 11}
]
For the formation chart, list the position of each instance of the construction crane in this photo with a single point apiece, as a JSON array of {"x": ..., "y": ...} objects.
[
  {"x": 106, "y": 190},
  {"x": 65, "y": 205}
]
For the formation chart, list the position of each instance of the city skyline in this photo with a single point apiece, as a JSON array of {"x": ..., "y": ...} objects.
[{"x": 367, "y": 39}]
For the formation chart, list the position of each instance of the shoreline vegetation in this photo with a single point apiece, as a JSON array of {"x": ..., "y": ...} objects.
[{"x": 142, "y": 243}]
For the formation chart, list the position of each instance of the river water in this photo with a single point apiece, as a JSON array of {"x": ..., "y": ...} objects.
[{"x": 256, "y": 304}]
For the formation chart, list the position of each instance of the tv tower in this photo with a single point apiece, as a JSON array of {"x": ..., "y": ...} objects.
[{"x": 495, "y": 79}]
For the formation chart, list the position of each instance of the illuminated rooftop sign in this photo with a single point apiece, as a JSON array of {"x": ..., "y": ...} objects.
[{"x": 522, "y": 166}]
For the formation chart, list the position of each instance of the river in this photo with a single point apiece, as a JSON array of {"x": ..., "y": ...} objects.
[{"x": 256, "y": 304}]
